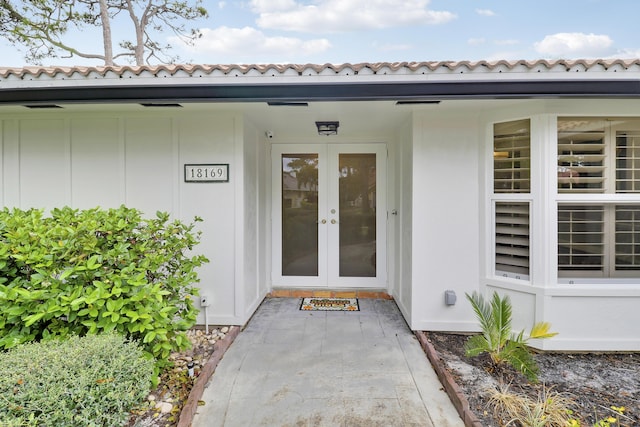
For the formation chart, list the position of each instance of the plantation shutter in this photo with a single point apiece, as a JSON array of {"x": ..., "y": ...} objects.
[
  {"x": 581, "y": 156},
  {"x": 512, "y": 239},
  {"x": 581, "y": 241},
  {"x": 512, "y": 157},
  {"x": 628, "y": 161},
  {"x": 627, "y": 225}
]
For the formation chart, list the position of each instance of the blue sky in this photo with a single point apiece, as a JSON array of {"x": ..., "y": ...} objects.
[{"x": 338, "y": 31}]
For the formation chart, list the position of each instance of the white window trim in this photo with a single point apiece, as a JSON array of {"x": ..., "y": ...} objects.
[
  {"x": 493, "y": 197},
  {"x": 543, "y": 199},
  {"x": 557, "y": 198}
]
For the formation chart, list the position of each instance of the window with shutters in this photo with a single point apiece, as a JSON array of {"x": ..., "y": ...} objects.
[
  {"x": 512, "y": 181},
  {"x": 599, "y": 164}
]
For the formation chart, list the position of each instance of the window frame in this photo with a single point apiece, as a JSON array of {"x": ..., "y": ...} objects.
[
  {"x": 511, "y": 196},
  {"x": 608, "y": 198}
]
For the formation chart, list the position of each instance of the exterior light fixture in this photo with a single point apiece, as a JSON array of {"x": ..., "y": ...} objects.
[{"x": 327, "y": 128}]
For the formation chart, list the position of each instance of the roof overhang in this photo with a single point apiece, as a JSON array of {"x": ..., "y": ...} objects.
[{"x": 323, "y": 91}]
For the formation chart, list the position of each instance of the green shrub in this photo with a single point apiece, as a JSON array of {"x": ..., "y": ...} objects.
[
  {"x": 89, "y": 381},
  {"x": 93, "y": 271},
  {"x": 497, "y": 338}
]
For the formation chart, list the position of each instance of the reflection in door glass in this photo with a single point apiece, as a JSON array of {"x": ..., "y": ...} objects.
[
  {"x": 357, "y": 215},
  {"x": 299, "y": 214}
]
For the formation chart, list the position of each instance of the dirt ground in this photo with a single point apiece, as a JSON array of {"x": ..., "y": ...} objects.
[
  {"x": 595, "y": 382},
  {"x": 175, "y": 383}
]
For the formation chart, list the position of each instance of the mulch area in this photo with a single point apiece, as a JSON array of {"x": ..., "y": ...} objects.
[
  {"x": 594, "y": 381},
  {"x": 180, "y": 389}
]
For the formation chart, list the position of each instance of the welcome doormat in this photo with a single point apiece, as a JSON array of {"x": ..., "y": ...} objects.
[{"x": 329, "y": 304}]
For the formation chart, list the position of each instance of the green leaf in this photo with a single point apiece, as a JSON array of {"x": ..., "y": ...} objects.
[
  {"x": 131, "y": 315},
  {"x": 475, "y": 345},
  {"x": 519, "y": 356},
  {"x": 66, "y": 273},
  {"x": 76, "y": 302},
  {"x": 30, "y": 320},
  {"x": 93, "y": 263},
  {"x": 150, "y": 336},
  {"x": 16, "y": 310}
]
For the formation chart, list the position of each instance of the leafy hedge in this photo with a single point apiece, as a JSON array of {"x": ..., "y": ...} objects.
[
  {"x": 90, "y": 381},
  {"x": 92, "y": 271}
]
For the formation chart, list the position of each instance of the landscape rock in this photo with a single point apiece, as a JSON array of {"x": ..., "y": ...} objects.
[{"x": 164, "y": 407}]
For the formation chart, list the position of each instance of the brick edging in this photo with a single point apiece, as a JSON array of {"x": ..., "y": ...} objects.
[
  {"x": 450, "y": 386},
  {"x": 219, "y": 348}
]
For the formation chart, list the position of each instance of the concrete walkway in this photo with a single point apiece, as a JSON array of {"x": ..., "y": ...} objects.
[{"x": 322, "y": 368}]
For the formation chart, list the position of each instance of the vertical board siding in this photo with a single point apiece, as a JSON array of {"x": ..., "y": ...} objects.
[
  {"x": 207, "y": 139},
  {"x": 96, "y": 163},
  {"x": 44, "y": 164},
  {"x": 87, "y": 161},
  {"x": 149, "y": 162}
]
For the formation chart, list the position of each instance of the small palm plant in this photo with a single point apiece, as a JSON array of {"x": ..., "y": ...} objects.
[{"x": 497, "y": 338}]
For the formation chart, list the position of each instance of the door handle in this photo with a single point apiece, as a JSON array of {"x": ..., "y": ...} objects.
[
  {"x": 333, "y": 221},
  {"x": 324, "y": 221}
]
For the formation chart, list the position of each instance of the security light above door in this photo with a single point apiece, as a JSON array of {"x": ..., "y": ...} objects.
[{"x": 327, "y": 128}]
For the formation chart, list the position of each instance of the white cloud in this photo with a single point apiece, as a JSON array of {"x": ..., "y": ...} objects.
[
  {"x": 269, "y": 6},
  {"x": 250, "y": 43},
  {"x": 346, "y": 15},
  {"x": 574, "y": 45},
  {"x": 221, "y": 4},
  {"x": 485, "y": 12}
]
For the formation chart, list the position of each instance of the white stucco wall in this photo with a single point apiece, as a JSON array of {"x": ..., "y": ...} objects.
[
  {"x": 445, "y": 223},
  {"x": 402, "y": 196},
  {"x": 252, "y": 269}
]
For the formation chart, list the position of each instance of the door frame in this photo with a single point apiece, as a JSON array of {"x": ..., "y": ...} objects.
[{"x": 328, "y": 264}]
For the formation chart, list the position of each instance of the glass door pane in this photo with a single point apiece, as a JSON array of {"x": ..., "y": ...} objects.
[
  {"x": 357, "y": 214},
  {"x": 299, "y": 214}
]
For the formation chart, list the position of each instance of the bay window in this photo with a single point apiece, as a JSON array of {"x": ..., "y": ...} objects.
[{"x": 598, "y": 198}]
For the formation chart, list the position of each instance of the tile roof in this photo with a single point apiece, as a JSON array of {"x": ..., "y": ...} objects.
[
  {"x": 444, "y": 69},
  {"x": 421, "y": 81}
]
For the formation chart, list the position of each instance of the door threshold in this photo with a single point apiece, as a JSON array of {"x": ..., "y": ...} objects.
[{"x": 328, "y": 293}]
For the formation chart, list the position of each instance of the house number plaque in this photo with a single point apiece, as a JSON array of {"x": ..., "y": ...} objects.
[{"x": 206, "y": 173}]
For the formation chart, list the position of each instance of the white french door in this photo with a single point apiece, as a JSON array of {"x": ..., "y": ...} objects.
[{"x": 329, "y": 215}]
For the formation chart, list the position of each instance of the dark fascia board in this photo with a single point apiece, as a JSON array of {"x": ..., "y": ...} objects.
[{"x": 629, "y": 88}]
